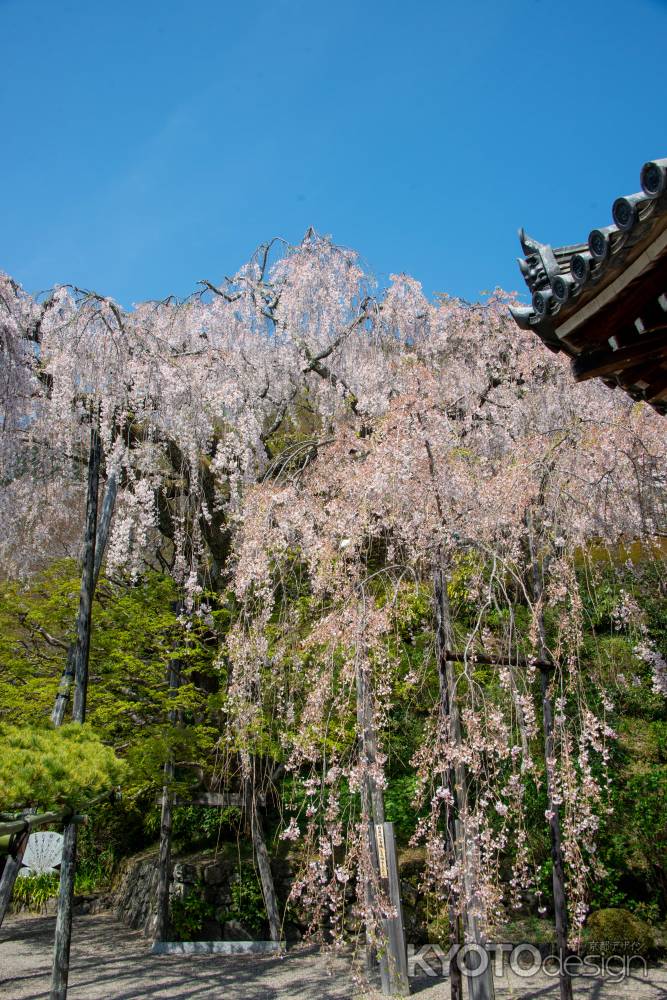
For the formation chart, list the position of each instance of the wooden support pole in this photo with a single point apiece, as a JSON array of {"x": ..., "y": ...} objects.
[
  {"x": 480, "y": 986},
  {"x": 161, "y": 931},
  {"x": 11, "y": 870},
  {"x": 496, "y": 660},
  {"x": 17, "y": 840},
  {"x": 372, "y": 805},
  {"x": 263, "y": 863},
  {"x": 63, "y": 934},
  {"x": 382, "y": 851},
  {"x": 558, "y": 869},
  {"x": 442, "y": 639},
  {"x": 394, "y": 963},
  {"x": 32, "y": 821}
]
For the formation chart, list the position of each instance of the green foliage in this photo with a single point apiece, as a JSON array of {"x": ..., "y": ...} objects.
[
  {"x": 136, "y": 635},
  {"x": 437, "y": 923},
  {"x": 188, "y": 914},
  {"x": 196, "y": 826},
  {"x": 398, "y": 806},
  {"x": 193, "y": 826},
  {"x": 95, "y": 851},
  {"x": 618, "y": 932},
  {"x": 247, "y": 900},
  {"x": 40, "y": 768},
  {"x": 32, "y": 892}
]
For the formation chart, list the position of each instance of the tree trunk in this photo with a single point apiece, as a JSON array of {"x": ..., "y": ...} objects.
[
  {"x": 558, "y": 870},
  {"x": 104, "y": 525},
  {"x": 461, "y": 830},
  {"x": 63, "y": 934},
  {"x": 67, "y": 679}
]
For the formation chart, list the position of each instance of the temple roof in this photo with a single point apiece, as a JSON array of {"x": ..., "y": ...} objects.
[{"x": 604, "y": 302}]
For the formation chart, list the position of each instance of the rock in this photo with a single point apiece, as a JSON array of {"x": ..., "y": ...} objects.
[
  {"x": 187, "y": 874},
  {"x": 211, "y": 931},
  {"x": 215, "y": 875},
  {"x": 232, "y": 930},
  {"x": 291, "y": 932}
]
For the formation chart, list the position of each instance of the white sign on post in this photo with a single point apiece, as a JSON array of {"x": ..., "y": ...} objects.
[
  {"x": 43, "y": 852},
  {"x": 382, "y": 852}
]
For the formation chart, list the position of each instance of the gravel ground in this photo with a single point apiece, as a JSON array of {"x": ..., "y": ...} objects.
[{"x": 111, "y": 962}]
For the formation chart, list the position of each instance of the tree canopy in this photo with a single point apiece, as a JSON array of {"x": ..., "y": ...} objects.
[{"x": 297, "y": 453}]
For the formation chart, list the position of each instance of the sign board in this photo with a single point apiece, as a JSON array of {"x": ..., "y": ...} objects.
[
  {"x": 382, "y": 851},
  {"x": 43, "y": 852}
]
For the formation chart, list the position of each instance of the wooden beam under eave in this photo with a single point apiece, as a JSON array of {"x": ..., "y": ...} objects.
[
  {"x": 602, "y": 363},
  {"x": 657, "y": 390}
]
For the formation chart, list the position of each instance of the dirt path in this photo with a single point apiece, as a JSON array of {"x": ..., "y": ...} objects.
[{"x": 110, "y": 962}]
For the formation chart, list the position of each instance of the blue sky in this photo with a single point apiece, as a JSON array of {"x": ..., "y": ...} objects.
[{"x": 148, "y": 144}]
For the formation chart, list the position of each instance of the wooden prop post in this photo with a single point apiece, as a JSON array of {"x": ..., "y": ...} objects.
[
  {"x": 164, "y": 862},
  {"x": 11, "y": 870},
  {"x": 393, "y": 961},
  {"x": 558, "y": 868},
  {"x": 382, "y": 850},
  {"x": 442, "y": 639},
  {"x": 14, "y": 834},
  {"x": 63, "y": 935},
  {"x": 263, "y": 862},
  {"x": 480, "y": 986}
]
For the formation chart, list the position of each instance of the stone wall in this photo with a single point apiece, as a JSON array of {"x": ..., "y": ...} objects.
[
  {"x": 134, "y": 894},
  {"x": 134, "y": 891}
]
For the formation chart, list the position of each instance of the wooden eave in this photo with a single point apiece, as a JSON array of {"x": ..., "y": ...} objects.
[{"x": 608, "y": 311}]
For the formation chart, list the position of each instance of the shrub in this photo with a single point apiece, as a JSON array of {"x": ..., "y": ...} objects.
[
  {"x": 247, "y": 901},
  {"x": 618, "y": 932},
  {"x": 31, "y": 892},
  {"x": 42, "y": 767},
  {"x": 188, "y": 914}
]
